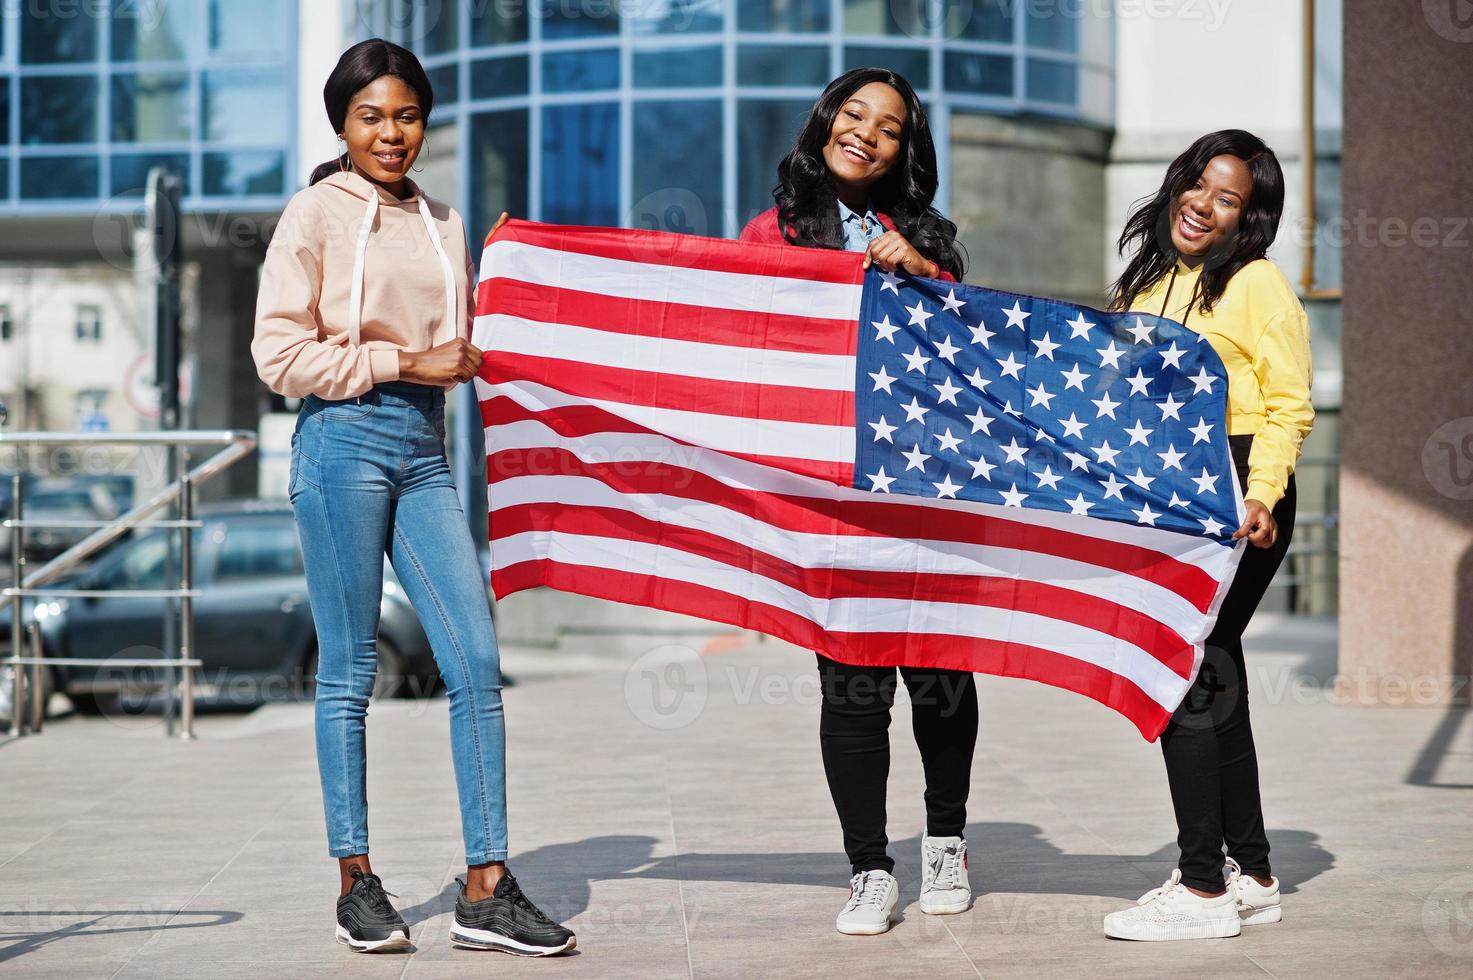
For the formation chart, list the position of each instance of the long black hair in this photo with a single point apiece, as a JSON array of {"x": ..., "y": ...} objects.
[
  {"x": 1148, "y": 229},
  {"x": 362, "y": 65},
  {"x": 807, "y": 210}
]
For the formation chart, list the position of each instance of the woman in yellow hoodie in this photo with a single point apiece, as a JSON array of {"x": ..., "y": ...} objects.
[
  {"x": 364, "y": 308},
  {"x": 1198, "y": 252}
]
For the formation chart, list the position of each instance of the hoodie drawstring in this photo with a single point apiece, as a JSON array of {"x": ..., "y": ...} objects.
[{"x": 360, "y": 255}]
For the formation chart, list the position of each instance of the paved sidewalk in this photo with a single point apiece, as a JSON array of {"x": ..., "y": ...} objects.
[{"x": 675, "y": 815}]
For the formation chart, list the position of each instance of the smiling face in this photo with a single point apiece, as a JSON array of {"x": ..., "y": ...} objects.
[
  {"x": 1206, "y": 215},
  {"x": 865, "y": 139},
  {"x": 384, "y": 130}
]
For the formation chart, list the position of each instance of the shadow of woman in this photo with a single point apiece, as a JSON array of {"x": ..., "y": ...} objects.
[{"x": 1005, "y": 858}]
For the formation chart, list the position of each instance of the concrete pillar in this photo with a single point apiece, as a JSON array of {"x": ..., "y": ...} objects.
[{"x": 1406, "y": 623}]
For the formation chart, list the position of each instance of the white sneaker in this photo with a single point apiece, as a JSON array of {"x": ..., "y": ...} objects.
[
  {"x": 873, "y": 897},
  {"x": 1256, "y": 904},
  {"x": 944, "y": 887},
  {"x": 1174, "y": 912}
]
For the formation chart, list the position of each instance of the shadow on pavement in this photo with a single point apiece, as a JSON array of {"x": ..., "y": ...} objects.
[
  {"x": 87, "y": 923},
  {"x": 1005, "y": 857}
]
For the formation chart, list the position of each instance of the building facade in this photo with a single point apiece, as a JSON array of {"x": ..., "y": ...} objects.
[{"x": 1051, "y": 117}]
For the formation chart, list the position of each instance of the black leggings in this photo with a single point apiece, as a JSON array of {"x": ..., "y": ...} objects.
[
  {"x": 1208, "y": 745},
  {"x": 854, "y": 733}
]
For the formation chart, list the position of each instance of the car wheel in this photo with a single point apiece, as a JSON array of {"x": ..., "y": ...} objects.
[
  {"x": 90, "y": 704},
  {"x": 388, "y": 682}
]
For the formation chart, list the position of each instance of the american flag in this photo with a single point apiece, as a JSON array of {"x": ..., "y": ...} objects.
[{"x": 887, "y": 469}]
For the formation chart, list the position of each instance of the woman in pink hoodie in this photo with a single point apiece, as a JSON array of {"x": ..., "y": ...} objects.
[{"x": 363, "y": 312}]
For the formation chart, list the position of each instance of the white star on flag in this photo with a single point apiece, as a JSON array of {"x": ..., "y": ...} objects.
[
  {"x": 1202, "y": 382},
  {"x": 947, "y": 391},
  {"x": 1079, "y": 506},
  {"x": 951, "y": 303},
  {"x": 1139, "y": 434},
  {"x": 1171, "y": 459},
  {"x": 946, "y": 488},
  {"x": 882, "y": 380},
  {"x": 1110, "y": 355},
  {"x": 1074, "y": 378},
  {"x": 914, "y": 412},
  {"x": 1201, "y": 432},
  {"x": 980, "y": 334},
  {"x": 982, "y": 468},
  {"x": 1140, "y": 332},
  {"x": 1073, "y": 428},
  {"x": 1048, "y": 478},
  {"x": 1013, "y": 451},
  {"x": 1171, "y": 355},
  {"x": 1011, "y": 367},
  {"x": 1139, "y": 383},
  {"x": 1146, "y": 516},
  {"x": 883, "y": 430},
  {"x": 884, "y": 329},
  {"x": 948, "y": 441},
  {"x": 1113, "y": 487},
  {"x": 1079, "y": 327},
  {"x": 947, "y": 350},
  {"x": 1106, "y": 406},
  {"x": 1206, "y": 483},
  {"x": 918, "y": 315},
  {"x": 1046, "y": 347},
  {"x": 915, "y": 459},
  {"x": 1012, "y": 498},
  {"x": 881, "y": 481},
  {"x": 916, "y": 361},
  {"x": 981, "y": 421},
  {"x": 891, "y": 282},
  {"x": 1104, "y": 455},
  {"x": 1016, "y": 316}
]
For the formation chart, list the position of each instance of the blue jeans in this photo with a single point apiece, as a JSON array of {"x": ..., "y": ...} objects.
[{"x": 368, "y": 478}]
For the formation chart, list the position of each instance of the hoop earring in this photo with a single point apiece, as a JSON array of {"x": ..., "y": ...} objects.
[
  {"x": 420, "y": 169},
  {"x": 344, "y": 153}
]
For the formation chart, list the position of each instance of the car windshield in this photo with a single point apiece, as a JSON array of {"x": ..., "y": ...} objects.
[{"x": 64, "y": 500}]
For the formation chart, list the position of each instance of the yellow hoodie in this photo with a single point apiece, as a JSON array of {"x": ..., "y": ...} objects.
[{"x": 1260, "y": 331}]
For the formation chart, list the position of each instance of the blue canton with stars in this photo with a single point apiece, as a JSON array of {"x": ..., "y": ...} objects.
[{"x": 978, "y": 394}]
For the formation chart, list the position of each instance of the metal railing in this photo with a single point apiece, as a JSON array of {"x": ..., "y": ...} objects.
[{"x": 28, "y": 713}]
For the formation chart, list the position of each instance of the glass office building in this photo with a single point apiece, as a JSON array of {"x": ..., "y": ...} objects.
[
  {"x": 92, "y": 95},
  {"x": 674, "y": 113}
]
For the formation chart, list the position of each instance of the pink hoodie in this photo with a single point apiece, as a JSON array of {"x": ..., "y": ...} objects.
[{"x": 354, "y": 275}]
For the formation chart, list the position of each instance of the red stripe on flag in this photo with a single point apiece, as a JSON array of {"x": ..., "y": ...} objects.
[
  {"x": 1052, "y": 601},
  {"x": 656, "y": 389},
  {"x": 660, "y": 318},
  {"x": 876, "y": 649},
  {"x": 689, "y": 251},
  {"x": 590, "y": 419}
]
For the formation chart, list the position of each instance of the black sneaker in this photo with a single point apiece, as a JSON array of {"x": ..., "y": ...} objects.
[
  {"x": 507, "y": 921},
  {"x": 367, "y": 923}
]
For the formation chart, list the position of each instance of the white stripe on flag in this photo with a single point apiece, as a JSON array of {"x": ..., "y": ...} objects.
[
  {"x": 722, "y": 433},
  {"x": 752, "y": 365},
  {"x": 658, "y": 283}
]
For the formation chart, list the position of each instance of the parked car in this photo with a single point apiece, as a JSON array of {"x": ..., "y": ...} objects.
[
  {"x": 69, "y": 501},
  {"x": 253, "y": 623}
]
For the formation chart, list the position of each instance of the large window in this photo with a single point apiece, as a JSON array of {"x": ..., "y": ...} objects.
[
  {"x": 675, "y": 113},
  {"x": 93, "y": 95}
]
